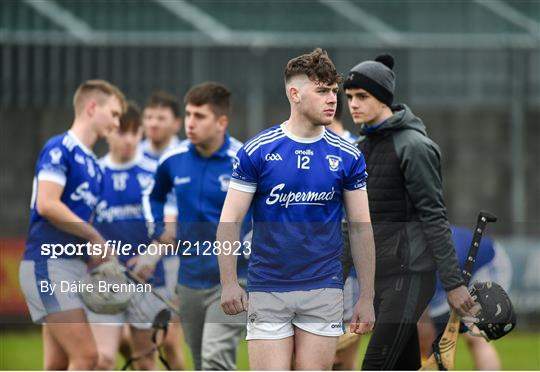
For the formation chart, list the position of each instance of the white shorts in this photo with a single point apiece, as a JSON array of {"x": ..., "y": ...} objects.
[
  {"x": 171, "y": 266},
  {"x": 273, "y": 315},
  {"x": 35, "y": 278},
  {"x": 351, "y": 294},
  {"x": 140, "y": 314}
]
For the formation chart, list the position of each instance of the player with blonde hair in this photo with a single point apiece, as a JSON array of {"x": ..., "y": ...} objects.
[{"x": 66, "y": 188}]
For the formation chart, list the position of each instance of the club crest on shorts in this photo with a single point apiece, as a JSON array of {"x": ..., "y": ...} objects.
[
  {"x": 333, "y": 162},
  {"x": 252, "y": 317}
]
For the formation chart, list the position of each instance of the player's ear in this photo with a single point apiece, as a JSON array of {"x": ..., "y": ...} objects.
[
  {"x": 223, "y": 122},
  {"x": 294, "y": 93},
  {"x": 177, "y": 124},
  {"x": 90, "y": 107}
]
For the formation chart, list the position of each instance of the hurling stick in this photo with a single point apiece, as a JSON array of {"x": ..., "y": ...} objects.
[
  {"x": 166, "y": 301},
  {"x": 444, "y": 352}
]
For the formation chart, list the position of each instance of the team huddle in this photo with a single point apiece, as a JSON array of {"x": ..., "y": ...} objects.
[{"x": 270, "y": 231}]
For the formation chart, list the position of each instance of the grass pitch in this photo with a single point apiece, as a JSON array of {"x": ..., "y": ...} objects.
[{"x": 518, "y": 351}]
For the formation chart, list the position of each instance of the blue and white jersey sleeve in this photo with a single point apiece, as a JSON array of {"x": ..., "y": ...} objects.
[
  {"x": 53, "y": 164},
  {"x": 245, "y": 174},
  {"x": 356, "y": 176},
  {"x": 154, "y": 202}
]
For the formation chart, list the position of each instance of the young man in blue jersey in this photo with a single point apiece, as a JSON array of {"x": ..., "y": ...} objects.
[
  {"x": 67, "y": 185},
  {"x": 198, "y": 172},
  {"x": 127, "y": 174},
  {"x": 298, "y": 177},
  {"x": 491, "y": 264},
  {"x": 410, "y": 224},
  {"x": 162, "y": 120}
]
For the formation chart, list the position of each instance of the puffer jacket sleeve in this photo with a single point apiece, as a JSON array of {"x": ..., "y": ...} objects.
[{"x": 421, "y": 167}]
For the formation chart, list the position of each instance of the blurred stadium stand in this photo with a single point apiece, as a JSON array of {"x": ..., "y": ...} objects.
[{"x": 470, "y": 69}]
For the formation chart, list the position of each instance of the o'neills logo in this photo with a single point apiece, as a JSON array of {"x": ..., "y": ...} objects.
[{"x": 298, "y": 198}]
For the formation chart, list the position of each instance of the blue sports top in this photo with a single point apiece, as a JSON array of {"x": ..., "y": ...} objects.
[
  {"x": 145, "y": 148},
  {"x": 119, "y": 212},
  {"x": 298, "y": 186},
  {"x": 348, "y": 136},
  {"x": 200, "y": 185},
  {"x": 67, "y": 162},
  {"x": 351, "y": 138}
]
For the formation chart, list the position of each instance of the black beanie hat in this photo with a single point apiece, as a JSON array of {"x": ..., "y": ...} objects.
[{"x": 375, "y": 77}]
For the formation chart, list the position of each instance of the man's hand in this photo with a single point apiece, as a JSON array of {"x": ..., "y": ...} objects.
[
  {"x": 96, "y": 260},
  {"x": 460, "y": 299},
  {"x": 363, "y": 318},
  {"x": 233, "y": 299},
  {"x": 143, "y": 266},
  {"x": 167, "y": 237}
]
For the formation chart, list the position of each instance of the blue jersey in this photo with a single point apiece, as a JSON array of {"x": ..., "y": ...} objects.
[
  {"x": 298, "y": 187},
  {"x": 348, "y": 136},
  {"x": 67, "y": 162},
  {"x": 462, "y": 238},
  {"x": 119, "y": 212},
  {"x": 145, "y": 148},
  {"x": 351, "y": 138},
  {"x": 200, "y": 185}
]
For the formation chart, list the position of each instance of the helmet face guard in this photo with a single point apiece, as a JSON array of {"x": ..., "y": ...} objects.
[
  {"x": 110, "y": 294},
  {"x": 496, "y": 317}
]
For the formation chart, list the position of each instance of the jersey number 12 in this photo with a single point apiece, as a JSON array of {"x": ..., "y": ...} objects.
[{"x": 303, "y": 162}]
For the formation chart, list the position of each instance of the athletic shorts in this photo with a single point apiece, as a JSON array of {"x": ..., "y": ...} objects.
[
  {"x": 273, "y": 315},
  {"x": 351, "y": 294},
  {"x": 34, "y": 276},
  {"x": 140, "y": 314},
  {"x": 144, "y": 306},
  {"x": 171, "y": 267}
]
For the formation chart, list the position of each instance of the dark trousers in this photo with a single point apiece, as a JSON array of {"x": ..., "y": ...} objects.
[{"x": 399, "y": 302}]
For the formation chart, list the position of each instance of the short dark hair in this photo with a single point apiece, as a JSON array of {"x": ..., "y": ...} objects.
[
  {"x": 164, "y": 99},
  {"x": 317, "y": 66},
  {"x": 130, "y": 121},
  {"x": 215, "y": 94}
]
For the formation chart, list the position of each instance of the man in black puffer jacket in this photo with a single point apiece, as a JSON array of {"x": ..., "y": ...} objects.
[{"x": 408, "y": 213}]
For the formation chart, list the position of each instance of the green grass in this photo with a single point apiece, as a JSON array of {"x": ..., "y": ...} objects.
[{"x": 518, "y": 351}]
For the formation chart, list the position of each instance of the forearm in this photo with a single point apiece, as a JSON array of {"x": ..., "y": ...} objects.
[
  {"x": 227, "y": 234},
  {"x": 64, "y": 219},
  {"x": 439, "y": 241},
  {"x": 363, "y": 254}
]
